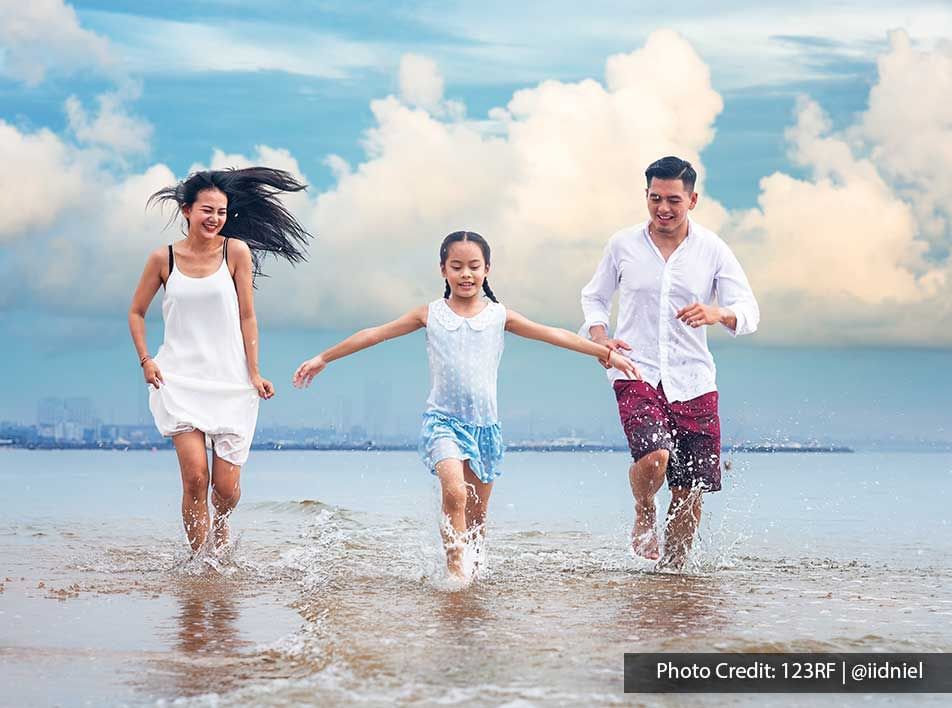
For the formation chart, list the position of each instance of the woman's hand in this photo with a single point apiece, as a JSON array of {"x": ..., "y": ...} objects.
[
  {"x": 624, "y": 365},
  {"x": 615, "y": 345},
  {"x": 150, "y": 370},
  {"x": 308, "y": 370},
  {"x": 265, "y": 387}
]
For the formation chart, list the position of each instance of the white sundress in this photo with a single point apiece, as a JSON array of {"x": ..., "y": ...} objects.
[{"x": 203, "y": 364}]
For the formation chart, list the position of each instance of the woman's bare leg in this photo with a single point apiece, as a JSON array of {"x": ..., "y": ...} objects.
[
  {"x": 193, "y": 463},
  {"x": 226, "y": 491}
]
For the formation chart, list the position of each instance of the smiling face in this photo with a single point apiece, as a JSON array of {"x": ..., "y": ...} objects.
[
  {"x": 668, "y": 204},
  {"x": 207, "y": 214},
  {"x": 465, "y": 269}
]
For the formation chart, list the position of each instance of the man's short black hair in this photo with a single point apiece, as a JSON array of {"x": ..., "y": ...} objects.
[{"x": 672, "y": 167}]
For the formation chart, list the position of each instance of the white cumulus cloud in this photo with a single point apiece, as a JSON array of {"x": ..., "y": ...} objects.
[
  {"x": 846, "y": 253},
  {"x": 112, "y": 127},
  {"x": 37, "y": 36}
]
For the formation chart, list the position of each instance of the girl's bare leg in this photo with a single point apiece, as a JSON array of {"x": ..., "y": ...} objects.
[
  {"x": 477, "y": 504},
  {"x": 226, "y": 491},
  {"x": 453, "y": 523},
  {"x": 193, "y": 463},
  {"x": 477, "y": 501}
]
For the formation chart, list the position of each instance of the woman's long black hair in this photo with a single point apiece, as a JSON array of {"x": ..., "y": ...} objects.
[
  {"x": 456, "y": 237},
  {"x": 255, "y": 214}
]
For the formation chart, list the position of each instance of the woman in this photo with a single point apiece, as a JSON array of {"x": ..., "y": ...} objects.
[{"x": 204, "y": 382}]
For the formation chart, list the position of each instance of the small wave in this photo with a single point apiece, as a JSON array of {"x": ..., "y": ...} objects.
[
  {"x": 301, "y": 506},
  {"x": 867, "y": 643}
]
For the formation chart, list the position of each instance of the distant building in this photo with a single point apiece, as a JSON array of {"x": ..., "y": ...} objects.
[
  {"x": 49, "y": 412},
  {"x": 70, "y": 420}
]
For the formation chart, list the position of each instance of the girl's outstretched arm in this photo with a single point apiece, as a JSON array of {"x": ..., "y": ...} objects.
[
  {"x": 524, "y": 327},
  {"x": 410, "y": 322}
]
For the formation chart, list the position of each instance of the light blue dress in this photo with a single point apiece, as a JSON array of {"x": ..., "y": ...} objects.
[{"x": 461, "y": 420}]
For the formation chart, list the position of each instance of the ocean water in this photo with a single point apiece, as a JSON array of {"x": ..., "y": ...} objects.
[{"x": 335, "y": 591}]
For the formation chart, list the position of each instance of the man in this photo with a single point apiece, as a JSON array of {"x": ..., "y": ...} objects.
[{"x": 676, "y": 278}]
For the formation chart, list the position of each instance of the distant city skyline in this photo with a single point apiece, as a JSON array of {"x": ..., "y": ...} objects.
[{"x": 859, "y": 397}]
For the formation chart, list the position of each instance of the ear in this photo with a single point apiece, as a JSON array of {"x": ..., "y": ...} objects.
[
  {"x": 186, "y": 211},
  {"x": 443, "y": 269},
  {"x": 693, "y": 202},
  {"x": 487, "y": 269}
]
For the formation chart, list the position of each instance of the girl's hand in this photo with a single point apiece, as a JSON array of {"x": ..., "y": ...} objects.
[
  {"x": 308, "y": 370},
  {"x": 615, "y": 345},
  {"x": 624, "y": 365},
  {"x": 265, "y": 387},
  {"x": 150, "y": 370}
]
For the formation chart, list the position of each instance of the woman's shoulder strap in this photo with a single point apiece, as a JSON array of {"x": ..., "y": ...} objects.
[{"x": 224, "y": 249}]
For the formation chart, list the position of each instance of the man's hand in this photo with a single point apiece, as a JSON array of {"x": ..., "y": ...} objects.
[{"x": 697, "y": 315}]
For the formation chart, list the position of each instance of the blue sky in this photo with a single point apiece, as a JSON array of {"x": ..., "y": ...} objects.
[{"x": 816, "y": 130}]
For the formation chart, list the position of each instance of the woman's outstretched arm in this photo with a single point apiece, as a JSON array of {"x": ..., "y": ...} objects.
[
  {"x": 410, "y": 322},
  {"x": 524, "y": 327}
]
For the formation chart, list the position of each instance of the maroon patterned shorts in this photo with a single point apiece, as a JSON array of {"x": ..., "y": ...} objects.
[{"x": 690, "y": 430}]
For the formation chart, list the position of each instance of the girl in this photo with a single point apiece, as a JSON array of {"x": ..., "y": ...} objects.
[
  {"x": 460, "y": 441},
  {"x": 204, "y": 381}
]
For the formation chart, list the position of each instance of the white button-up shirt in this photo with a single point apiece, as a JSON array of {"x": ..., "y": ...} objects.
[{"x": 701, "y": 269}]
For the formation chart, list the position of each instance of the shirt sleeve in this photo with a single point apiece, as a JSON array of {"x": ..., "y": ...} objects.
[
  {"x": 733, "y": 292},
  {"x": 597, "y": 295}
]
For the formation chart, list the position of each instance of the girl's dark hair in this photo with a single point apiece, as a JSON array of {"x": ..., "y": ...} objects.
[
  {"x": 255, "y": 214},
  {"x": 456, "y": 237}
]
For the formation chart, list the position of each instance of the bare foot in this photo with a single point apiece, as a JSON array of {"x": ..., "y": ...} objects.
[
  {"x": 221, "y": 532},
  {"x": 645, "y": 545},
  {"x": 670, "y": 562},
  {"x": 644, "y": 537}
]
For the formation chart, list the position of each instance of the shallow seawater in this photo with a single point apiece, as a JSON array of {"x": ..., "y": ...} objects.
[{"x": 334, "y": 590}]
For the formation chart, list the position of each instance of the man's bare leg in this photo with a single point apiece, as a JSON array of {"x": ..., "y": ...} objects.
[
  {"x": 684, "y": 515},
  {"x": 453, "y": 523},
  {"x": 226, "y": 491},
  {"x": 646, "y": 475},
  {"x": 193, "y": 463}
]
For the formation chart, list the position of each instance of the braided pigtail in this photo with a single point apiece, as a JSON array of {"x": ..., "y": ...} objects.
[
  {"x": 446, "y": 293},
  {"x": 488, "y": 291}
]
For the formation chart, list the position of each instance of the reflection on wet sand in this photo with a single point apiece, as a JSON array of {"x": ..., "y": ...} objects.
[
  {"x": 666, "y": 610},
  {"x": 205, "y": 641},
  {"x": 207, "y": 618},
  {"x": 463, "y": 612}
]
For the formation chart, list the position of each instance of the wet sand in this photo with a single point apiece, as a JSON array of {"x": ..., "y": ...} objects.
[{"x": 343, "y": 600}]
